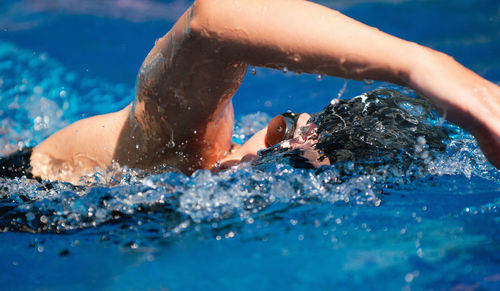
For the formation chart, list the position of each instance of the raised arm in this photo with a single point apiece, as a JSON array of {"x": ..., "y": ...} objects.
[
  {"x": 302, "y": 36},
  {"x": 308, "y": 37}
]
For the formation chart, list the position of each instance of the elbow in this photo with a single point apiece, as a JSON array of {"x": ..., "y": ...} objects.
[
  {"x": 200, "y": 17},
  {"x": 209, "y": 18}
]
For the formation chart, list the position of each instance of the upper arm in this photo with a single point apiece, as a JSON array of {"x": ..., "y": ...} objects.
[
  {"x": 303, "y": 36},
  {"x": 183, "y": 80}
]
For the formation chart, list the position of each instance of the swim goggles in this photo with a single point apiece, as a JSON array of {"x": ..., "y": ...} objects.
[{"x": 281, "y": 127}]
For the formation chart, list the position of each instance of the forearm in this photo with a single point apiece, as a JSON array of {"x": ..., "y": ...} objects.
[
  {"x": 461, "y": 95},
  {"x": 302, "y": 36},
  {"x": 307, "y": 37}
]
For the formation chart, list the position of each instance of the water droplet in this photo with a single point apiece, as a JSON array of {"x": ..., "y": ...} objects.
[
  {"x": 334, "y": 101},
  {"x": 43, "y": 219},
  {"x": 320, "y": 77},
  {"x": 171, "y": 144},
  {"x": 284, "y": 70},
  {"x": 368, "y": 82},
  {"x": 253, "y": 71},
  {"x": 342, "y": 90},
  {"x": 137, "y": 146},
  {"x": 62, "y": 94},
  {"x": 38, "y": 90},
  {"x": 421, "y": 140}
]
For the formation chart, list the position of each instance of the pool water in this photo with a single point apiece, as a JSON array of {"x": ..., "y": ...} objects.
[{"x": 434, "y": 226}]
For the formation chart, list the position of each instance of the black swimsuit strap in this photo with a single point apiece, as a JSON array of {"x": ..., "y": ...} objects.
[{"x": 16, "y": 164}]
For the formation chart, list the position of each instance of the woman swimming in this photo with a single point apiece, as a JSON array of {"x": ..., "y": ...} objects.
[{"x": 183, "y": 117}]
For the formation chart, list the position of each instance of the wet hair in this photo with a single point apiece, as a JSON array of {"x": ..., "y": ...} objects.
[{"x": 377, "y": 128}]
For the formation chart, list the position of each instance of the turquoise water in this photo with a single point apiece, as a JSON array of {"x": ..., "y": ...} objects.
[{"x": 433, "y": 227}]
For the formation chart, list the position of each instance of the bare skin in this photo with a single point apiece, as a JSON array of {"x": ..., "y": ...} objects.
[{"x": 183, "y": 114}]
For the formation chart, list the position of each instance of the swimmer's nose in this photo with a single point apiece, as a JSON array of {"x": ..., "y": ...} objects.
[{"x": 276, "y": 131}]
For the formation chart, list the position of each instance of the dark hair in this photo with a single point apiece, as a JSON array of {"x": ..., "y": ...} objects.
[{"x": 377, "y": 128}]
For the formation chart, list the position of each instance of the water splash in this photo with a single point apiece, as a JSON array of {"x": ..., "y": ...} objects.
[
  {"x": 129, "y": 206},
  {"x": 171, "y": 203}
]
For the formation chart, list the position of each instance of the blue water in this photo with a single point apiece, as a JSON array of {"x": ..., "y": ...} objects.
[{"x": 435, "y": 227}]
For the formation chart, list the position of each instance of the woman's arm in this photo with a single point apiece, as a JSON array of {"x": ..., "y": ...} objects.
[
  {"x": 302, "y": 36},
  {"x": 182, "y": 115},
  {"x": 308, "y": 37}
]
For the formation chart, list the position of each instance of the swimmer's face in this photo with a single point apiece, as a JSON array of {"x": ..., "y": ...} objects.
[{"x": 289, "y": 131}]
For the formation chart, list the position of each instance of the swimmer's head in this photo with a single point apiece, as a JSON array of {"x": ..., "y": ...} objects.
[{"x": 372, "y": 129}]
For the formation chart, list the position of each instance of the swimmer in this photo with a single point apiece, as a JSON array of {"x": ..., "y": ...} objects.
[{"x": 182, "y": 115}]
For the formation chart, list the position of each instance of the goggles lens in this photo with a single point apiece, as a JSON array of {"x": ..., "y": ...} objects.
[{"x": 281, "y": 127}]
